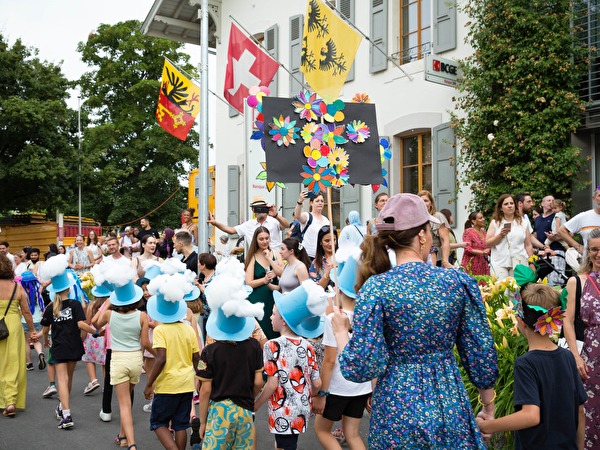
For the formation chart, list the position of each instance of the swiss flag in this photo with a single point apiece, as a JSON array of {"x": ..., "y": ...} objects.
[{"x": 247, "y": 65}]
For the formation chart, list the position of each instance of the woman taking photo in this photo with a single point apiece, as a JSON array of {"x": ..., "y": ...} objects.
[
  {"x": 588, "y": 363},
  {"x": 474, "y": 257},
  {"x": 508, "y": 237},
  {"x": 311, "y": 222},
  {"x": 296, "y": 269},
  {"x": 440, "y": 252},
  {"x": 320, "y": 269},
  {"x": 147, "y": 254},
  {"x": 261, "y": 277},
  {"x": 406, "y": 340},
  {"x": 13, "y": 375}
]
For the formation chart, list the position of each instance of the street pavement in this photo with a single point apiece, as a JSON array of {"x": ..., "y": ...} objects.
[{"x": 36, "y": 427}]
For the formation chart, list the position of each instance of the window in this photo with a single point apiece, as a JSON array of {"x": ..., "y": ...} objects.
[
  {"x": 415, "y": 30},
  {"x": 415, "y": 157}
]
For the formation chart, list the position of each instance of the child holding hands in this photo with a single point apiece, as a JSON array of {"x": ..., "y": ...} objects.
[{"x": 548, "y": 392}]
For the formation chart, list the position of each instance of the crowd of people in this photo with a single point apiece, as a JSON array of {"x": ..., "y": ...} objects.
[{"x": 315, "y": 322}]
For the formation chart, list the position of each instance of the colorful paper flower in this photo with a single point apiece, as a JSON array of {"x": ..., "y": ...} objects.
[
  {"x": 358, "y": 131},
  {"x": 338, "y": 157},
  {"x": 550, "y": 322},
  {"x": 255, "y": 96},
  {"x": 340, "y": 176},
  {"x": 283, "y": 131},
  {"x": 311, "y": 131},
  {"x": 307, "y": 105},
  {"x": 332, "y": 112},
  {"x": 317, "y": 179},
  {"x": 316, "y": 154},
  {"x": 263, "y": 177},
  {"x": 333, "y": 134},
  {"x": 384, "y": 150},
  {"x": 361, "y": 97}
]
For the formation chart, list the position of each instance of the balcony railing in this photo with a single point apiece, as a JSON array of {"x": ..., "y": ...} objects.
[{"x": 413, "y": 53}]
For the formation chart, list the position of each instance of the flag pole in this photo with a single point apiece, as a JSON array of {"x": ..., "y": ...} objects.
[
  {"x": 203, "y": 132},
  {"x": 333, "y": 239},
  {"x": 345, "y": 19},
  {"x": 305, "y": 86}
]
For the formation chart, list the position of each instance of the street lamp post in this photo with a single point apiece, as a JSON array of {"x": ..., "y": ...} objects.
[{"x": 79, "y": 158}]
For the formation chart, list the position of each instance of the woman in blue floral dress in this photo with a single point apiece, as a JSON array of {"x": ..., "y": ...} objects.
[{"x": 407, "y": 321}]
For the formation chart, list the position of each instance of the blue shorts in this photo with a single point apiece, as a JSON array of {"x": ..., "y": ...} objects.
[
  {"x": 173, "y": 408},
  {"x": 36, "y": 325}
]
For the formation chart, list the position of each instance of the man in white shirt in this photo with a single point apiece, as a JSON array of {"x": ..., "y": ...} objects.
[
  {"x": 112, "y": 244},
  {"x": 582, "y": 224},
  {"x": 4, "y": 251},
  {"x": 266, "y": 216}
]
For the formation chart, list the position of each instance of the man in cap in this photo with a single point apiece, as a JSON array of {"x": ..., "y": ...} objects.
[{"x": 266, "y": 216}]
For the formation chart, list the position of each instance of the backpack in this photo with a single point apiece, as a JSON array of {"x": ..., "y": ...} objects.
[{"x": 297, "y": 231}]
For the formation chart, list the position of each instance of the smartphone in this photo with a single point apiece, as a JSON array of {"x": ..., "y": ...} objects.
[
  {"x": 507, "y": 225},
  {"x": 260, "y": 209},
  {"x": 311, "y": 195}
]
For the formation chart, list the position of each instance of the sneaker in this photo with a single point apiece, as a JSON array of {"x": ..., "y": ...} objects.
[
  {"x": 105, "y": 417},
  {"x": 65, "y": 423},
  {"x": 195, "y": 437},
  {"x": 91, "y": 387},
  {"x": 50, "y": 391},
  {"x": 58, "y": 412},
  {"x": 29, "y": 366},
  {"x": 147, "y": 408},
  {"x": 42, "y": 361}
]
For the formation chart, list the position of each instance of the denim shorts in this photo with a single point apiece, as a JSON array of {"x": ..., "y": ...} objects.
[
  {"x": 36, "y": 325},
  {"x": 173, "y": 408}
]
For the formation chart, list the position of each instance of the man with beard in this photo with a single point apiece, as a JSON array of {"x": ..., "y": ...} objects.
[
  {"x": 34, "y": 257},
  {"x": 182, "y": 241},
  {"x": 266, "y": 216}
]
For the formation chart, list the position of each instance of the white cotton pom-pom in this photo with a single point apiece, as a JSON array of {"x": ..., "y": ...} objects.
[
  {"x": 151, "y": 262},
  {"x": 119, "y": 274},
  {"x": 172, "y": 265},
  {"x": 98, "y": 274},
  {"x": 317, "y": 297},
  {"x": 172, "y": 287},
  {"x": 243, "y": 308},
  {"x": 342, "y": 255},
  {"x": 54, "y": 266}
]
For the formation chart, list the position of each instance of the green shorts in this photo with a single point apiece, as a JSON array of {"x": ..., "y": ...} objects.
[{"x": 228, "y": 426}]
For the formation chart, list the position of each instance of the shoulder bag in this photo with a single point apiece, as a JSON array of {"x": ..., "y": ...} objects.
[{"x": 3, "y": 327}]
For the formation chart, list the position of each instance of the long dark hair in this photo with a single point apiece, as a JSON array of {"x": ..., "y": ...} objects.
[
  {"x": 293, "y": 244},
  {"x": 320, "y": 253},
  {"x": 499, "y": 214},
  {"x": 470, "y": 219},
  {"x": 253, "y": 248}
]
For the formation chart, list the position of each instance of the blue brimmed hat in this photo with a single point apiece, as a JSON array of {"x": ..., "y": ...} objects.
[
  {"x": 192, "y": 295},
  {"x": 166, "y": 311},
  {"x": 347, "y": 271},
  {"x": 295, "y": 308},
  {"x": 55, "y": 269},
  {"x": 126, "y": 294},
  {"x": 232, "y": 328},
  {"x": 101, "y": 291}
]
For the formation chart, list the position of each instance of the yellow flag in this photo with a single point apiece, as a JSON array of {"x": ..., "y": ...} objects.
[{"x": 328, "y": 49}]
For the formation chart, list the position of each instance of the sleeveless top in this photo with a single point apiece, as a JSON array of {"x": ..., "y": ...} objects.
[
  {"x": 125, "y": 331},
  {"x": 81, "y": 257},
  {"x": 288, "y": 280}
]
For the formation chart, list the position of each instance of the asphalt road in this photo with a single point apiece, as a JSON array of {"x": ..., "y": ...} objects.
[{"x": 36, "y": 427}]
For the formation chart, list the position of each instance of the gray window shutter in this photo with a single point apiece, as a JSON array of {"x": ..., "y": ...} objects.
[
  {"x": 349, "y": 200},
  {"x": 378, "y": 35},
  {"x": 271, "y": 44},
  {"x": 296, "y": 32},
  {"x": 346, "y": 8},
  {"x": 443, "y": 159},
  {"x": 233, "y": 195},
  {"x": 444, "y": 25},
  {"x": 289, "y": 198}
]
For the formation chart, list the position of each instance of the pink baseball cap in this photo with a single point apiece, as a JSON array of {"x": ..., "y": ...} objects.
[{"x": 403, "y": 212}]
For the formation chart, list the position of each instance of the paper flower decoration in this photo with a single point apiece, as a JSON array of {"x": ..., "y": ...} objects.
[
  {"x": 317, "y": 179},
  {"x": 358, "y": 131},
  {"x": 550, "y": 322},
  {"x": 332, "y": 134},
  {"x": 307, "y": 105},
  {"x": 332, "y": 112},
  {"x": 283, "y": 131},
  {"x": 311, "y": 131},
  {"x": 361, "y": 97},
  {"x": 340, "y": 176},
  {"x": 386, "y": 154},
  {"x": 338, "y": 157},
  {"x": 255, "y": 96},
  {"x": 263, "y": 177},
  {"x": 316, "y": 154}
]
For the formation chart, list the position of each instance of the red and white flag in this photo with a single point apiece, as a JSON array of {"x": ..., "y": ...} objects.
[{"x": 247, "y": 65}]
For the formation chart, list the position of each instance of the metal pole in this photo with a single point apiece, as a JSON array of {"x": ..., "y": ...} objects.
[
  {"x": 203, "y": 131},
  {"x": 79, "y": 158}
]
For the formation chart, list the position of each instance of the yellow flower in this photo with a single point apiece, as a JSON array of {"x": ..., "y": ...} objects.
[{"x": 504, "y": 342}]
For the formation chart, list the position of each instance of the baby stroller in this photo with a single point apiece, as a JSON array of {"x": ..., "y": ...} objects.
[{"x": 546, "y": 267}]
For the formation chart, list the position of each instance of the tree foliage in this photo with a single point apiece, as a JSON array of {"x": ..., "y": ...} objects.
[
  {"x": 37, "y": 133},
  {"x": 131, "y": 165},
  {"x": 519, "y": 102}
]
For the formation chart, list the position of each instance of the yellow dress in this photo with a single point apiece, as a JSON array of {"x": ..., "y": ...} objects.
[{"x": 13, "y": 375}]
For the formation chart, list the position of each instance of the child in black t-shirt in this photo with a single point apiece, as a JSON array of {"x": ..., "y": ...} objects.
[
  {"x": 66, "y": 318},
  {"x": 548, "y": 392}
]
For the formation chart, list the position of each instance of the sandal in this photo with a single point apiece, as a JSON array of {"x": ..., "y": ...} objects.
[
  {"x": 9, "y": 411},
  {"x": 338, "y": 433},
  {"x": 118, "y": 439},
  {"x": 132, "y": 446}
]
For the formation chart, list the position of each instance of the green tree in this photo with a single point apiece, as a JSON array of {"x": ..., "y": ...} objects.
[
  {"x": 519, "y": 102},
  {"x": 37, "y": 133},
  {"x": 131, "y": 165}
]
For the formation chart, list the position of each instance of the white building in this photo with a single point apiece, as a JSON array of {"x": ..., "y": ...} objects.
[{"x": 412, "y": 112}]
